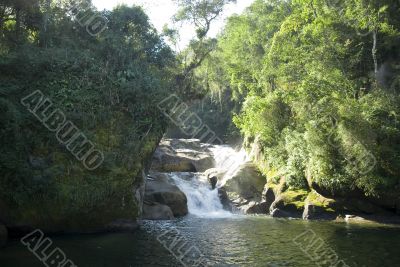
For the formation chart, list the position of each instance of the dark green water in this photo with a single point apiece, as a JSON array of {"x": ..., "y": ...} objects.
[{"x": 237, "y": 241}]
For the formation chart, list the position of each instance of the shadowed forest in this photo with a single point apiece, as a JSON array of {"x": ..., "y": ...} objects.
[{"x": 310, "y": 89}]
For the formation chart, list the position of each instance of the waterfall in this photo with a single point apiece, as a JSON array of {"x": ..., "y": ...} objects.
[{"x": 202, "y": 200}]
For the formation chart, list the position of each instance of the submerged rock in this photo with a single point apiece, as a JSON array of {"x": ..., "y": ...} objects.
[{"x": 160, "y": 190}]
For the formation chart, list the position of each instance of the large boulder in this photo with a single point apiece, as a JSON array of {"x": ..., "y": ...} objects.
[
  {"x": 267, "y": 198},
  {"x": 290, "y": 202},
  {"x": 156, "y": 211},
  {"x": 245, "y": 188},
  {"x": 317, "y": 207},
  {"x": 182, "y": 155},
  {"x": 160, "y": 190}
]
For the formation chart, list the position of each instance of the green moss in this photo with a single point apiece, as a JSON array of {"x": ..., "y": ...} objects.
[
  {"x": 295, "y": 197},
  {"x": 317, "y": 200},
  {"x": 74, "y": 199}
]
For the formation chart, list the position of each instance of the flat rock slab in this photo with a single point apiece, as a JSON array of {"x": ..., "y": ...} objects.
[{"x": 182, "y": 155}]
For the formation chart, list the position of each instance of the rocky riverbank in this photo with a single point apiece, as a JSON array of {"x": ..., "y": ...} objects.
[
  {"x": 314, "y": 202},
  {"x": 248, "y": 191}
]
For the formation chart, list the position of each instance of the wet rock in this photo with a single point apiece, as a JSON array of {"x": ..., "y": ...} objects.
[
  {"x": 182, "y": 155},
  {"x": 317, "y": 207},
  {"x": 214, "y": 172},
  {"x": 160, "y": 190},
  {"x": 291, "y": 206},
  {"x": 315, "y": 212},
  {"x": 225, "y": 201},
  {"x": 278, "y": 213},
  {"x": 370, "y": 219},
  {"x": 213, "y": 182},
  {"x": 123, "y": 226},
  {"x": 156, "y": 211},
  {"x": 268, "y": 197},
  {"x": 258, "y": 208},
  {"x": 214, "y": 177},
  {"x": 3, "y": 235},
  {"x": 349, "y": 217}
]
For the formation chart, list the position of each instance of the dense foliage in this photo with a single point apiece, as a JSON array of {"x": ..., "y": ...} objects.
[
  {"x": 108, "y": 84},
  {"x": 314, "y": 83},
  {"x": 319, "y": 85}
]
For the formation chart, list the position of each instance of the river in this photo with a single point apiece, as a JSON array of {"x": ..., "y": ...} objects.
[{"x": 234, "y": 241}]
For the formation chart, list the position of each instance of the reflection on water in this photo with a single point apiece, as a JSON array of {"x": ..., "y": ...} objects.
[{"x": 237, "y": 241}]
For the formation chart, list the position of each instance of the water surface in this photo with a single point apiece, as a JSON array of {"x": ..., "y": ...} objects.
[{"x": 235, "y": 241}]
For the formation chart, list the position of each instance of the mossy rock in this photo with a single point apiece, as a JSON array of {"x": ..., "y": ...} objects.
[
  {"x": 277, "y": 185},
  {"x": 295, "y": 197},
  {"x": 318, "y": 200},
  {"x": 68, "y": 198},
  {"x": 319, "y": 207},
  {"x": 290, "y": 203}
]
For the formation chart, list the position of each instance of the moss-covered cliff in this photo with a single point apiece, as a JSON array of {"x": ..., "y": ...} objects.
[{"x": 107, "y": 88}]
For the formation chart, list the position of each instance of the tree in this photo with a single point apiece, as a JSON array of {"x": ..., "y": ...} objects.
[
  {"x": 303, "y": 74},
  {"x": 201, "y": 14}
]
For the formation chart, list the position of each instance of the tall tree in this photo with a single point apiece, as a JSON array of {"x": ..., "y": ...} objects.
[{"x": 201, "y": 14}]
